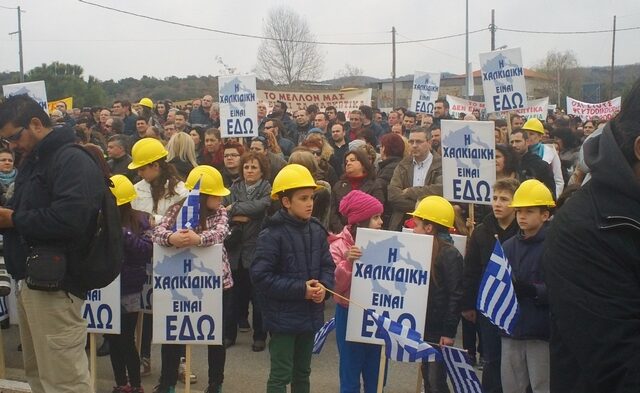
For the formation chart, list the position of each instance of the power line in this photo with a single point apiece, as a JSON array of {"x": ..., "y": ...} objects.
[
  {"x": 8, "y": 8},
  {"x": 566, "y": 32},
  {"x": 244, "y": 35}
]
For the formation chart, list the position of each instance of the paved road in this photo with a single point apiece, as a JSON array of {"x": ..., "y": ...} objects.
[{"x": 245, "y": 371}]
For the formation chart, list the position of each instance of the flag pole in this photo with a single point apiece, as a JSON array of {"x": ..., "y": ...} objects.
[
  {"x": 187, "y": 371},
  {"x": 383, "y": 365}
]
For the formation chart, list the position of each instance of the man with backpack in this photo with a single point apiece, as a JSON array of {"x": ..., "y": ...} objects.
[{"x": 49, "y": 229}]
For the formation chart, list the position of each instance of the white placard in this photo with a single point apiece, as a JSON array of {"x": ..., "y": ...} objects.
[
  {"x": 537, "y": 108},
  {"x": 101, "y": 309},
  {"x": 468, "y": 161},
  {"x": 586, "y": 111},
  {"x": 460, "y": 243},
  {"x": 238, "y": 106},
  {"x": 36, "y": 90},
  {"x": 426, "y": 86},
  {"x": 392, "y": 279},
  {"x": 503, "y": 80},
  {"x": 187, "y": 295},
  {"x": 459, "y": 105}
]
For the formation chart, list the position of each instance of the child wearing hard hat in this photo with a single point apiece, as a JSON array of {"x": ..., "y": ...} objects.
[
  {"x": 138, "y": 249},
  {"x": 291, "y": 268},
  {"x": 211, "y": 229},
  {"x": 356, "y": 359},
  {"x": 525, "y": 353},
  {"x": 435, "y": 216}
]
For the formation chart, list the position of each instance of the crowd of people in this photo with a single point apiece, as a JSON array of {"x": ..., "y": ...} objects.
[{"x": 286, "y": 205}]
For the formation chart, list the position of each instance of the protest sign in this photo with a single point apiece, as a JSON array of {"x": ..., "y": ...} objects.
[
  {"x": 343, "y": 100},
  {"x": 67, "y": 101},
  {"x": 187, "y": 295},
  {"x": 238, "y": 106},
  {"x": 459, "y": 105},
  {"x": 101, "y": 309},
  {"x": 36, "y": 90},
  {"x": 468, "y": 161},
  {"x": 536, "y": 108},
  {"x": 503, "y": 80},
  {"x": 426, "y": 86},
  {"x": 146, "y": 296},
  {"x": 604, "y": 110},
  {"x": 392, "y": 279},
  {"x": 460, "y": 243},
  {"x": 4, "y": 309}
]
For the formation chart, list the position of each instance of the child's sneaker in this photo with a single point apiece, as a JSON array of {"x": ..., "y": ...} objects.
[
  {"x": 182, "y": 371},
  {"x": 121, "y": 389},
  {"x": 145, "y": 367},
  {"x": 213, "y": 389},
  {"x": 164, "y": 389}
]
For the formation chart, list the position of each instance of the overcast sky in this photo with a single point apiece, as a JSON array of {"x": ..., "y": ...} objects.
[{"x": 109, "y": 45}]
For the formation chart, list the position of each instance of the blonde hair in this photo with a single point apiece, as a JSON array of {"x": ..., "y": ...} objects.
[
  {"x": 181, "y": 145},
  {"x": 305, "y": 158}
]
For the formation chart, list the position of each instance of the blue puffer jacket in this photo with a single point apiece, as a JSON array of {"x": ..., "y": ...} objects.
[
  {"x": 290, "y": 252},
  {"x": 525, "y": 258}
]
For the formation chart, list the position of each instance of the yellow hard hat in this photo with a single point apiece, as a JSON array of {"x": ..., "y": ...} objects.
[
  {"x": 210, "y": 181},
  {"x": 534, "y": 125},
  {"x": 292, "y": 176},
  {"x": 532, "y": 192},
  {"x": 146, "y": 102},
  {"x": 146, "y": 151},
  {"x": 435, "y": 209},
  {"x": 122, "y": 189}
]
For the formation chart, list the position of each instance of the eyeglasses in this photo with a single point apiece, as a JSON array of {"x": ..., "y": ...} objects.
[
  {"x": 316, "y": 153},
  {"x": 231, "y": 155},
  {"x": 7, "y": 141}
]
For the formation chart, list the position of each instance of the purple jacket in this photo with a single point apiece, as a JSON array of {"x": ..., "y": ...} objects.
[{"x": 138, "y": 250}]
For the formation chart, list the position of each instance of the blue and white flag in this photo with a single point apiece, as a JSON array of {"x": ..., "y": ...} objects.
[
  {"x": 460, "y": 370},
  {"x": 189, "y": 214},
  {"x": 402, "y": 343},
  {"x": 496, "y": 297},
  {"x": 322, "y": 334}
]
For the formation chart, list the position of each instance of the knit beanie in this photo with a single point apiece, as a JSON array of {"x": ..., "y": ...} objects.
[{"x": 358, "y": 206}]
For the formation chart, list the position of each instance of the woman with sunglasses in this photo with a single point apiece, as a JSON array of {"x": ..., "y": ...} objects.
[{"x": 260, "y": 145}]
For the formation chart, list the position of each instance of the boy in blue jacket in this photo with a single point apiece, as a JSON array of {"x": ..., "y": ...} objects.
[
  {"x": 291, "y": 268},
  {"x": 525, "y": 353}
]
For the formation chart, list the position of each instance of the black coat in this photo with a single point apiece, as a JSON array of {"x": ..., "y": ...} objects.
[
  {"x": 445, "y": 294},
  {"x": 55, "y": 203},
  {"x": 340, "y": 190},
  {"x": 290, "y": 252},
  {"x": 479, "y": 249},
  {"x": 592, "y": 269},
  {"x": 383, "y": 178},
  {"x": 531, "y": 166}
]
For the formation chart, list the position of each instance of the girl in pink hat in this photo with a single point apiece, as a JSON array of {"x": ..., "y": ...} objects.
[{"x": 361, "y": 210}]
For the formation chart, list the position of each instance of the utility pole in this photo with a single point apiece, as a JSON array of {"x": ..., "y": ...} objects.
[
  {"x": 19, "y": 33},
  {"x": 466, "y": 59},
  {"x": 492, "y": 27},
  {"x": 613, "y": 58},
  {"x": 393, "y": 66}
]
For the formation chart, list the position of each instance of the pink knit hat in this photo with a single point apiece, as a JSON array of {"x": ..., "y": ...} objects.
[{"x": 358, "y": 206}]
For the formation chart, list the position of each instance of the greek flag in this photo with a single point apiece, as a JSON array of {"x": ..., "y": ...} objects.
[
  {"x": 189, "y": 214},
  {"x": 496, "y": 297},
  {"x": 402, "y": 343},
  {"x": 322, "y": 334},
  {"x": 460, "y": 371}
]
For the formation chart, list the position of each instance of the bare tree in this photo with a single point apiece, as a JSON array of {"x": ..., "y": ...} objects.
[
  {"x": 563, "y": 69},
  {"x": 349, "y": 71},
  {"x": 291, "y": 55}
]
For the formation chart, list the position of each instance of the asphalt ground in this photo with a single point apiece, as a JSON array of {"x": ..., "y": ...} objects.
[{"x": 245, "y": 371}]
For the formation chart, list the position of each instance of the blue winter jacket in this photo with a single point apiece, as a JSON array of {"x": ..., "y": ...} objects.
[
  {"x": 525, "y": 258},
  {"x": 290, "y": 252}
]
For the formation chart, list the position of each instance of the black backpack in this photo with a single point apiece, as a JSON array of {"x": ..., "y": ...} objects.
[{"x": 103, "y": 261}]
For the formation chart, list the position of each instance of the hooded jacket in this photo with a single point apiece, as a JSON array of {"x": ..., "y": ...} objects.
[
  {"x": 592, "y": 269},
  {"x": 525, "y": 257},
  {"x": 290, "y": 252},
  {"x": 479, "y": 251},
  {"x": 56, "y": 203}
]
